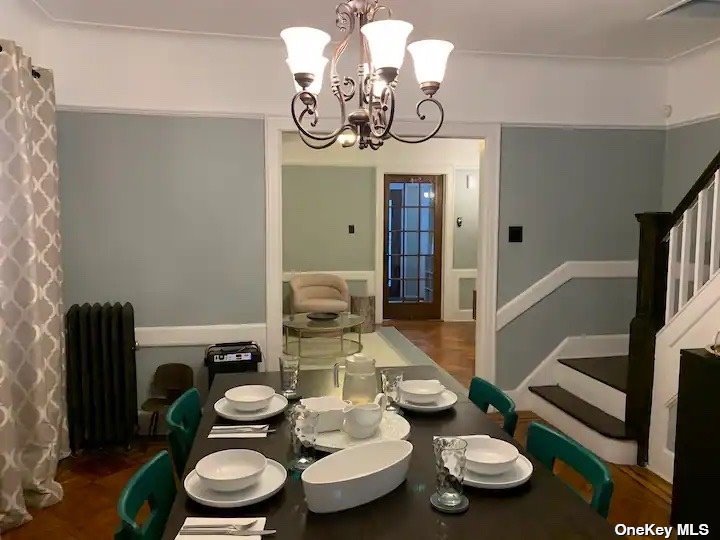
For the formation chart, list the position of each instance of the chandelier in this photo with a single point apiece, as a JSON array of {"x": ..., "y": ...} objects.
[{"x": 382, "y": 51}]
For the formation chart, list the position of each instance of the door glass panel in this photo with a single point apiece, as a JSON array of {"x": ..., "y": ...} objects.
[
  {"x": 394, "y": 246},
  {"x": 412, "y": 195},
  {"x": 427, "y": 240},
  {"x": 394, "y": 268},
  {"x": 411, "y": 243},
  {"x": 410, "y": 267},
  {"x": 411, "y": 289},
  {"x": 394, "y": 292},
  {"x": 427, "y": 198},
  {"x": 426, "y": 293},
  {"x": 426, "y": 219},
  {"x": 411, "y": 219}
]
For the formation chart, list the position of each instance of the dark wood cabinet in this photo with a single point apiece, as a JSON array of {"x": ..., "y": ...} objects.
[{"x": 697, "y": 440}]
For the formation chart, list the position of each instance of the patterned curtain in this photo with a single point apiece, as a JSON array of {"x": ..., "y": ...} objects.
[{"x": 33, "y": 427}]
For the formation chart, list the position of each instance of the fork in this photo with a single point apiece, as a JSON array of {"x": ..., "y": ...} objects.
[{"x": 229, "y": 531}]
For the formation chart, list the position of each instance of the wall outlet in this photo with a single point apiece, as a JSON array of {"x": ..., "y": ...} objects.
[
  {"x": 351, "y": 229},
  {"x": 515, "y": 233}
]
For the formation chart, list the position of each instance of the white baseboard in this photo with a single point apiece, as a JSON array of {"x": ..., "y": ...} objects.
[
  {"x": 189, "y": 336},
  {"x": 558, "y": 277},
  {"x": 617, "y": 451},
  {"x": 570, "y": 347}
]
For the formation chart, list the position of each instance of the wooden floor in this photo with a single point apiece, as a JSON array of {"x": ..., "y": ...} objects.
[{"x": 93, "y": 482}]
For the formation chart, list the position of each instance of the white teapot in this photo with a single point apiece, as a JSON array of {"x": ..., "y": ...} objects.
[{"x": 362, "y": 421}]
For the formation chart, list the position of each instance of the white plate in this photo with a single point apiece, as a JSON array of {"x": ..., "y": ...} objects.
[
  {"x": 224, "y": 409},
  {"x": 392, "y": 427},
  {"x": 519, "y": 474},
  {"x": 447, "y": 401},
  {"x": 271, "y": 481}
]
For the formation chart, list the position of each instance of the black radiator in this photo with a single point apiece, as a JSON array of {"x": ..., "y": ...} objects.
[{"x": 101, "y": 379}]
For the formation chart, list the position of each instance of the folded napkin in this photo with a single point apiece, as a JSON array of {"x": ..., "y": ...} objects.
[
  {"x": 260, "y": 525},
  {"x": 237, "y": 435}
]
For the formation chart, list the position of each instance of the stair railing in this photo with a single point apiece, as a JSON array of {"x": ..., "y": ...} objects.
[{"x": 674, "y": 261}]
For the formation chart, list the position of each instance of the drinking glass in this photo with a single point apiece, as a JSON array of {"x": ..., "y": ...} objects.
[
  {"x": 289, "y": 368},
  {"x": 391, "y": 387},
  {"x": 303, "y": 430},
  {"x": 450, "y": 470}
]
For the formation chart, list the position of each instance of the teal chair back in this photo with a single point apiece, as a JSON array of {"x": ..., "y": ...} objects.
[
  {"x": 153, "y": 484},
  {"x": 547, "y": 445},
  {"x": 483, "y": 394},
  {"x": 182, "y": 418}
]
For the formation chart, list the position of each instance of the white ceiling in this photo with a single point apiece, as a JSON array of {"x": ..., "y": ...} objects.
[{"x": 583, "y": 28}]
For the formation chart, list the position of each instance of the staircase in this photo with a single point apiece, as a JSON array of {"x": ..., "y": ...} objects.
[
  {"x": 588, "y": 402},
  {"x": 621, "y": 407}
]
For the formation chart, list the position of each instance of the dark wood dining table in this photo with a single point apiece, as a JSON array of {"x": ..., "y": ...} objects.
[{"x": 544, "y": 507}]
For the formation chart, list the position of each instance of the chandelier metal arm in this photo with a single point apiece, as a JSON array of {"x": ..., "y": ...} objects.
[
  {"x": 422, "y": 117},
  {"x": 310, "y": 111},
  {"x": 386, "y": 114}
]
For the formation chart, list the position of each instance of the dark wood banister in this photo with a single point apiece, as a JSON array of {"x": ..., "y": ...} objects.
[
  {"x": 692, "y": 195},
  {"x": 650, "y": 308}
]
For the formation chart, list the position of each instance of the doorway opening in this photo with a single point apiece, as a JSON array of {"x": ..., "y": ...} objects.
[{"x": 412, "y": 251}]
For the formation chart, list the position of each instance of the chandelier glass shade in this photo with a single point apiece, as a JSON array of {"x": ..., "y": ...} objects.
[{"x": 382, "y": 51}]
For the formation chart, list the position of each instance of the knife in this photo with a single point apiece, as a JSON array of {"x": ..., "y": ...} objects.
[{"x": 225, "y": 532}]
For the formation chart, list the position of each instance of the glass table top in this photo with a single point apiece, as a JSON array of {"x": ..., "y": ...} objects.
[{"x": 300, "y": 321}]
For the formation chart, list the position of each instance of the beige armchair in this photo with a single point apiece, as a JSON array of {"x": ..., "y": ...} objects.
[{"x": 319, "y": 292}]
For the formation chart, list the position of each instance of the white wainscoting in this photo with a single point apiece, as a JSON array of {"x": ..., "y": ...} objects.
[
  {"x": 558, "y": 277},
  {"x": 188, "y": 336},
  {"x": 453, "y": 312}
]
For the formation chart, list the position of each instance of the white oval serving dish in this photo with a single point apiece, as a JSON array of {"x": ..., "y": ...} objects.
[
  {"x": 231, "y": 470},
  {"x": 356, "y": 476},
  {"x": 490, "y": 456},
  {"x": 421, "y": 391},
  {"x": 249, "y": 397}
]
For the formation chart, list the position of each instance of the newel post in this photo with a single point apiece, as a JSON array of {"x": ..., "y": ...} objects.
[{"x": 649, "y": 318}]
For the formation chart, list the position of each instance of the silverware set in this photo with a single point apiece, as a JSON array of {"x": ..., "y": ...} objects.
[
  {"x": 224, "y": 529},
  {"x": 215, "y": 430}
]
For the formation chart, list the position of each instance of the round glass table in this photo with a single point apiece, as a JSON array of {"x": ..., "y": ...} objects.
[{"x": 329, "y": 338}]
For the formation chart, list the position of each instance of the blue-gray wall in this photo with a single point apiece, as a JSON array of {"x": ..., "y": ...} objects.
[
  {"x": 688, "y": 150},
  {"x": 167, "y": 213},
  {"x": 318, "y": 205},
  {"x": 575, "y": 192}
]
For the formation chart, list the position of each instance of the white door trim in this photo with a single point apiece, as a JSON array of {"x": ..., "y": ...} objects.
[{"x": 487, "y": 225}]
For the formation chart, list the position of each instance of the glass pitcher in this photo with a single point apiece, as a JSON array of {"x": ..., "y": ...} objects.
[{"x": 360, "y": 383}]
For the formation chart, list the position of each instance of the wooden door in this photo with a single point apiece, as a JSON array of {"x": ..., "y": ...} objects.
[{"x": 412, "y": 253}]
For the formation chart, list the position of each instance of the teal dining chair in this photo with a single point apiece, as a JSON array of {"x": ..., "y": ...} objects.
[
  {"x": 547, "y": 445},
  {"x": 182, "y": 418},
  {"x": 153, "y": 484},
  {"x": 483, "y": 394}
]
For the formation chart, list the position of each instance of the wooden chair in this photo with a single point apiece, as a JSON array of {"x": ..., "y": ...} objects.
[
  {"x": 483, "y": 394},
  {"x": 182, "y": 419},
  {"x": 547, "y": 445},
  {"x": 169, "y": 382},
  {"x": 153, "y": 484}
]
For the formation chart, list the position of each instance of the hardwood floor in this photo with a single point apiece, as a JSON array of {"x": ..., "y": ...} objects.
[{"x": 93, "y": 482}]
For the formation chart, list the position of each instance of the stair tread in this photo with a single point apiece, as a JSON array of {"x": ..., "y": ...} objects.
[
  {"x": 582, "y": 411},
  {"x": 611, "y": 370}
]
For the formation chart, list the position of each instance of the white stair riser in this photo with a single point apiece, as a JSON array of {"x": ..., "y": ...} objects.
[
  {"x": 612, "y": 450},
  {"x": 604, "y": 397}
]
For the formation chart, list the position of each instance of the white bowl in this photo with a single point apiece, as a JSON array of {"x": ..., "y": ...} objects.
[
  {"x": 356, "y": 476},
  {"x": 231, "y": 470},
  {"x": 490, "y": 456},
  {"x": 421, "y": 391},
  {"x": 250, "y": 397}
]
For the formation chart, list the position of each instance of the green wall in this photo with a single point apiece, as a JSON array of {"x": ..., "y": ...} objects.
[{"x": 319, "y": 203}]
